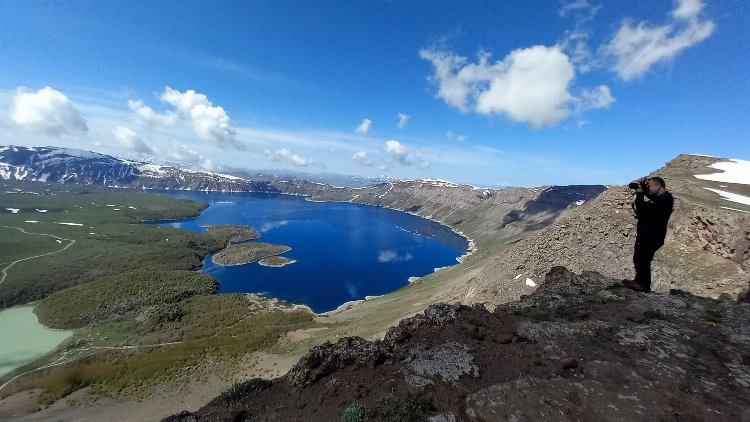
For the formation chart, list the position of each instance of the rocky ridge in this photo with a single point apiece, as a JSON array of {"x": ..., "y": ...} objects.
[
  {"x": 581, "y": 347},
  {"x": 705, "y": 252}
]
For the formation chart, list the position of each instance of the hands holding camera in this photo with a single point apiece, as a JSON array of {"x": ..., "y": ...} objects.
[{"x": 639, "y": 186}]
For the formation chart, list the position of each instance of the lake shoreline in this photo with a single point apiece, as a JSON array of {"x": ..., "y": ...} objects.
[
  {"x": 468, "y": 245},
  {"x": 24, "y": 337}
]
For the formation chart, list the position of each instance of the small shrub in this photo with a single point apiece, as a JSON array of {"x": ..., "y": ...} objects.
[
  {"x": 355, "y": 412},
  {"x": 414, "y": 409}
]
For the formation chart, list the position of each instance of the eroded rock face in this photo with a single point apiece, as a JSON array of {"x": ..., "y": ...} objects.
[
  {"x": 328, "y": 358},
  {"x": 580, "y": 348},
  {"x": 706, "y": 251}
]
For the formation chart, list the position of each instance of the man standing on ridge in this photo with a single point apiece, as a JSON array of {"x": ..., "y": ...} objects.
[{"x": 653, "y": 216}]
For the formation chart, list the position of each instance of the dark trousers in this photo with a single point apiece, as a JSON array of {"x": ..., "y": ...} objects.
[{"x": 642, "y": 257}]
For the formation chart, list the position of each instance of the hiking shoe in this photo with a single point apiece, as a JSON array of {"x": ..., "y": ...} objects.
[{"x": 633, "y": 285}]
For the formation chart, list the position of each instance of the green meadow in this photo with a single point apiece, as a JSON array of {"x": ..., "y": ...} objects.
[{"x": 140, "y": 315}]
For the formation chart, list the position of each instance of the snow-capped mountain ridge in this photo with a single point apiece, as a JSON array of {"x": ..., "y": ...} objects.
[{"x": 62, "y": 165}]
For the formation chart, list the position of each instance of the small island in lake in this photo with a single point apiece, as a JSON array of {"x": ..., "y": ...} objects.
[
  {"x": 235, "y": 232},
  {"x": 276, "y": 261},
  {"x": 245, "y": 253}
]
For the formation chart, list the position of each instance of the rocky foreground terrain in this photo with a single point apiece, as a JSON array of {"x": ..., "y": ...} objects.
[
  {"x": 706, "y": 252},
  {"x": 581, "y": 347},
  {"x": 556, "y": 347}
]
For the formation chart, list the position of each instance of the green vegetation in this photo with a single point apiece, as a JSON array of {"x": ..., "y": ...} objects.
[
  {"x": 122, "y": 296},
  {"x": 244, "y": 253},
  {"x": 233, "y": 232},
  {"x": 215, "y": 328},
  {"x": 355, "y": 412},
  {"x": 108, "y": 233},
  {"x": 275, "y": 261},
  {"x": 142, "y": 318},
  {"x": 413, "y": 408}
]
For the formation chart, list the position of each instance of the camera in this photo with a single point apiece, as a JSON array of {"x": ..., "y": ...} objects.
[{"x": 642, "y": 185}]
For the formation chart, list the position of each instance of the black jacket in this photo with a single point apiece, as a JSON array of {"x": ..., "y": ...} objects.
[{"x": 653, "y": 217}]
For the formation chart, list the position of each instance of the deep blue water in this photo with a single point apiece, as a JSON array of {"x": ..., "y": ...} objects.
[{"x": 343, "y": 251}]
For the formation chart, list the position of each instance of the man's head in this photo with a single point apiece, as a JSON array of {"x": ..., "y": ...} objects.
[{"x": 656, "y": 186}]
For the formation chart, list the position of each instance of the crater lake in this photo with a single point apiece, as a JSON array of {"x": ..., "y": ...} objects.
[{"x": 342, "y": 251}]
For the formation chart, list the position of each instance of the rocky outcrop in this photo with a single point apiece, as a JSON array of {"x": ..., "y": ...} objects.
[
  {"x": 579, "y": 348},
  {"x": 705, "y": 252}
]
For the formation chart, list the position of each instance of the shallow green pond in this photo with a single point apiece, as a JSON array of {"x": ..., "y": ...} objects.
[{"x": 23, "y": 339}]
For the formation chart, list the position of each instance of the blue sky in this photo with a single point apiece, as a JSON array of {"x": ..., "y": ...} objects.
[{"x": 481, "y": 92}]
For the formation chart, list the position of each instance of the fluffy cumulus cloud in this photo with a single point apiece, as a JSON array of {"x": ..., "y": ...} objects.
[
  {"x": 147, "y": 115},
  {"x": 395, "y": 148},
  {"x": 285, "y": 155},
  {"x": 635, "y": 48},
  {"x": 128, "y": 140},
  {"x": 403, "y": 120},
  {"x": 211, "y": 123},
  {"x": 530, "y": 85},
  {"x": 46, "y": 111},
  {"x": 400, "y": 153},
  {"x": 362, "y": 158},
  {"x": 364, "y": 127}
]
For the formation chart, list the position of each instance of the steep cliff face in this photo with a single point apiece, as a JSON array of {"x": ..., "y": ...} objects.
[
  {"x": 489, "y": 216},
  {"x": 705, "y": 252},
  {"x": 579, "y": 348}
]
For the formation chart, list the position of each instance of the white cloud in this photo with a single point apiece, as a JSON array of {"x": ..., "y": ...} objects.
[
  {"x": 362, "y": 158},
  {"x": 452, "y": 76},
  {"x": 575, "y": 42},
  {"x": 46, "y": 111},
  {"x": 211, "y": 123},
  {"x": 636, "y": 48},
  {"x": 687, "y": 9},
  {"x": 184, "y": 155},
  {"x": 286, "y": 155},
  {"x": 401, "y": 153},
  {"x": 147, "y": 115},
  {"x": 130, "y": 141},
  {"x": 392, "y": 256},
  {"x": 530, "y": 85},
  {"x": 403, "y": 120},
  {"x": 593, "y": 98},
  {"x": 454, "y": 137},
  {"x": 364, "y": 127},
  {"x": 395, "y": 148}
]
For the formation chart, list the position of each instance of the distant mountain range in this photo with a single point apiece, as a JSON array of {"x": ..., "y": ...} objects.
[
  {"x": 64, "y": 165},
  {"x": 516, "y": 211}
]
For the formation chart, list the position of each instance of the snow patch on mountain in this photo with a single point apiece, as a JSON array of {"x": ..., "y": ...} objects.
[
  {"x": 729, "y": 196},
  {"x": 733, "y": 171}
]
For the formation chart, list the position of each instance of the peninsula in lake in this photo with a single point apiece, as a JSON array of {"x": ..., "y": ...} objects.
[{"x": 241, "y": 251}]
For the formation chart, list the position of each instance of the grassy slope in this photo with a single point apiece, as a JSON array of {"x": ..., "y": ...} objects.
[
  {"x": 120, "y": 241},
  {"x": 202, "y": 323},
  {"x": 145, "y": 319},
  {"x": 121, "y": 296},
  {"x": 170, "y": 344}
]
